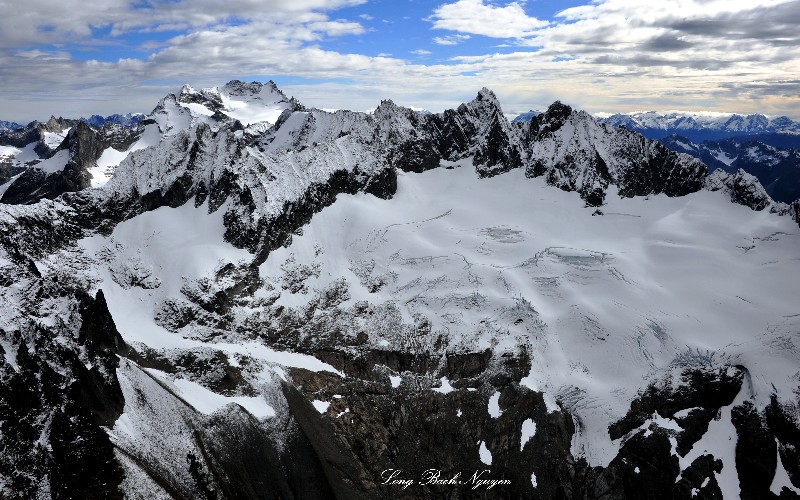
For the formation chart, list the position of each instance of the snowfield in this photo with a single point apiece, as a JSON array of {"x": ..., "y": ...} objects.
[
  {"x": 604, "y": 303},
  {"x": 607, "y": 303}
]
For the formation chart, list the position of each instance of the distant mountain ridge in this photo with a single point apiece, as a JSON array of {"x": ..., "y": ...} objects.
[
  {"x": 4, "y": 125},
  {"x": 778, "y": 169},
  {"x": 703, "y": 126},
  {"x": 698, "y": 126},
  {"x": 129, "y": 120}
]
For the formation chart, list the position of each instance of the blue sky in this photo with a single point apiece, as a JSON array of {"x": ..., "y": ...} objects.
[{"x": 69, "y": 58}]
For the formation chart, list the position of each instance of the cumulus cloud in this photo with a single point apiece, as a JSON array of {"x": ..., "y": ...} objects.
[
  {"x": 60, "y": 21},
  {"x": 450, "y": 39},
  {"x": 608, "y": 55},
  {"x": 478, "y": 18}
]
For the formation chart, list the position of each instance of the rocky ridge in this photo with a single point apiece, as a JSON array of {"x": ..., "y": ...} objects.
[
  {"x": 777, "y": 168},
  {"x": 74, "y": 386}
]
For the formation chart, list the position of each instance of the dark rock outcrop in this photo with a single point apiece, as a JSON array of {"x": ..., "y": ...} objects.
[
  {"x": 575, "y": 153},
  {"x": 742, "y": 188}
]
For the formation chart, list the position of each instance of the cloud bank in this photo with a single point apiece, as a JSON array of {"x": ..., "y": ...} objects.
[{"x": 608, "y": 55}]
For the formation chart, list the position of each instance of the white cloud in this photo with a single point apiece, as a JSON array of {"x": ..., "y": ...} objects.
[
  {"x": 477, "y": 18},
  {"x": 451, "y": 39},
  {"x": 58, "y": 21},
  {"x": 611, "y": 55}
]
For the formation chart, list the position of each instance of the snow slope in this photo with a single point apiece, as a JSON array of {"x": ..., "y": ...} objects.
[{"x": 607, "y": 303}]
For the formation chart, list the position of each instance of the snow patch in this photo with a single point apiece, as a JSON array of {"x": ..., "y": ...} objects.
[
  {"x": 445, "y": 388},
  {"x": 321, "y": 406},
  {"x": 528, "y": 431},
  {"x": 55, "y": 163},
  {"x": 485, "y": 454},
  {"x": 494, "y": 405},
  {"x": 724, "y": 158},
  {"x": 207, "y": 402},
  {"x": 54, "y": 139},
  {"x": 720, "y": 441},
  {"x": 781, "y": 479}
]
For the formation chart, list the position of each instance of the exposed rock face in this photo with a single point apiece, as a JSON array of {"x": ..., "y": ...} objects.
[
  {"x": 54, "y": 402},
  {"x": 20, "y": 137},
  {"x": 742, "y": 187},
  {"x": 85, "y": 147},
  {"x": 575, "y": 153}
]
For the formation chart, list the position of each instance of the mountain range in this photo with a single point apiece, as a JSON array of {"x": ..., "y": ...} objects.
[
  {"x": 776, "y": 168},
  {"x": 242, "y": 297},
  {"x": 699, "y": 127}
]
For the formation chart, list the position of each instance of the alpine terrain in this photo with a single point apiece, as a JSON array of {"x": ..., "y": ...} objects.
[{"x": 236, "y": 296}]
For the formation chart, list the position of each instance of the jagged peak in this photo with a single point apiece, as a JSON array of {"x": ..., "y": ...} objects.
[
  {"x": 484, "y": 106},
  {"x": 551, "y": 120},
  {"x": 743, "y": 188},
  {"x": 486, "y": 93},
  {"x": 558, "y": 109},
  {"x": 240, "y": 88},
  {"x": 389, "y": 107},
  {"x": 486, "y": 98},
  {"x": 53, "y": 124}
]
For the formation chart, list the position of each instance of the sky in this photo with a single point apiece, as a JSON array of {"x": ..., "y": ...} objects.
[{"x": 75, "y": 58}]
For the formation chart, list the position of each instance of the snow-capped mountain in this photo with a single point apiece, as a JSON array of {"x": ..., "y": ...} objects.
[
  {"x": 4, "y": 125},
  {"x": 270, "y": 301},
  {"x": 526, "y": 117},
  {"x": 777, "y": 169},
  {"x": 129, "y": 120},
  {"x": 250, "y": 103},
  {"x": 44, "y": 160},
  {"x": 704, "y": 126},
  {"x": 701, "y": 126}
]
